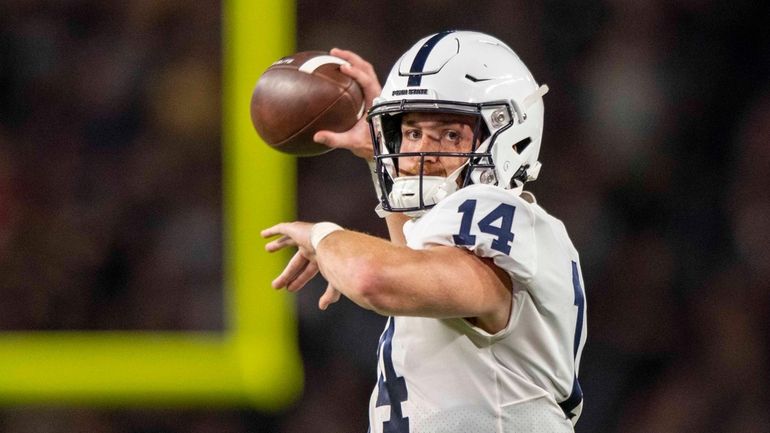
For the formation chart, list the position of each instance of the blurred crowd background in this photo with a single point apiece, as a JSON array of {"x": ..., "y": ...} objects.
[{"x": 656, "y": 156}]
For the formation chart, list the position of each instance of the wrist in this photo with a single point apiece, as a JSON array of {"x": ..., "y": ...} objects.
[{"x": 321, "y": 230}]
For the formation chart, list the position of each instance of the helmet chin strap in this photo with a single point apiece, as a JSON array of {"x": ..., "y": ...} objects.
[{"x": 406, "y": 190}]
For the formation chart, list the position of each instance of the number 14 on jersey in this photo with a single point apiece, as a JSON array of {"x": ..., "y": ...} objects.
[{"x": 503, "y": 234}]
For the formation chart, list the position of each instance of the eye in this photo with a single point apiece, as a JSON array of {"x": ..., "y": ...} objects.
[
  {"x": 413, "y": 134},
  {"x": 452, "y": 136}
]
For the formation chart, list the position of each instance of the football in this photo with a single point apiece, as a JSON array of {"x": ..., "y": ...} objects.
[{"x": 301, "y": 94}]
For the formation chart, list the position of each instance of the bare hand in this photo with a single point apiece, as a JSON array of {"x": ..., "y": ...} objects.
[
  {"x": 330, "y": 296},
  {"x": 358, "y": 138},
  {"x": 302, "y": 267}
]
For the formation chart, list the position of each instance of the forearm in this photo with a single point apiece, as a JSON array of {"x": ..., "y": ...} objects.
[
  {"x": 348, "y": 261},
  {"x": 396, "y": 280}
]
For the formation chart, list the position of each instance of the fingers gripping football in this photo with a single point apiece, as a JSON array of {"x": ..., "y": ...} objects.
[
  {"x": 361, "y": 71},
  {"x": 357, "y": 139}
]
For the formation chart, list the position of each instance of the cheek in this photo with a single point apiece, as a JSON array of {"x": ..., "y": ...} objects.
[
  {"x": 451, "y": 164},
  {"x": 408, "y": 146},
  {"x": 467, "y": 145}
]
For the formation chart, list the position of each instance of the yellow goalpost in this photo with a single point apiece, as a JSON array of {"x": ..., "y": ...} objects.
[{"x": 255, "y": 361}]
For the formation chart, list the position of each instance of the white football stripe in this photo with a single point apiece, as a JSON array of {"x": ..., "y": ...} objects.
[{"x": 316, "y": 62}]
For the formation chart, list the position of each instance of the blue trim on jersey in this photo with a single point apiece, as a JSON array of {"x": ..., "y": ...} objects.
[
  {"x": 421, "y": 57},
  {"x": 573, "y": 401},
  {"x": 580, "y": 303},
  {"x": 391, "y": 388},
  {"x": 576, "y": 396}
]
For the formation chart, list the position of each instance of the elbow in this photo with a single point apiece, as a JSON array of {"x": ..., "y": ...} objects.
[{"x": 367, "y": 285}]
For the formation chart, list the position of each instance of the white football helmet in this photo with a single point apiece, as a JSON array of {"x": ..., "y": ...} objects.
[{"x": 459, "y": 72}]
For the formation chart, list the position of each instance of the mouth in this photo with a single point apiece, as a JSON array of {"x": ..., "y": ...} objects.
[{"x": 428, "y": 170}]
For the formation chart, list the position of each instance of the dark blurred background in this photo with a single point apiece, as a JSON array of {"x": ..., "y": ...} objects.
[{"x": 656, "y": 156}]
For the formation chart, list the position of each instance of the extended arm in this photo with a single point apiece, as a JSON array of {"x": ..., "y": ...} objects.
[{"x": 392, "y": 279}]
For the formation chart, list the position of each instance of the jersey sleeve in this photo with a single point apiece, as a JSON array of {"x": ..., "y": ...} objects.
[{"x": 486, "y": 220}]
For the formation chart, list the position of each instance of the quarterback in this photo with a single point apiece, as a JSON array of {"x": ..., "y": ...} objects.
[{"x": 482, "y": 287}]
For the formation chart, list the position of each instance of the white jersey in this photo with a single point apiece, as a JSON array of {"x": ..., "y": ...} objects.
[{"x": 446, "y": 375}]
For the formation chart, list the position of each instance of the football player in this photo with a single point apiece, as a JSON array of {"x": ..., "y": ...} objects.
[{"x": 483, "y": 288}]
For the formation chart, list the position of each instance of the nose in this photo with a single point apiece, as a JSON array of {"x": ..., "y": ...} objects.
[{"x": 430, "y": 144}]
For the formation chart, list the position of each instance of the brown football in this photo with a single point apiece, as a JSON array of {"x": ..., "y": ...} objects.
[{"x": 301, "y": 94}]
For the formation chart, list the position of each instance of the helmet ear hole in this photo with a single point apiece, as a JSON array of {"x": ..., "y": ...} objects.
[
  {"x": 521, "y": 145},
  {"x": 392, "y": 132}
]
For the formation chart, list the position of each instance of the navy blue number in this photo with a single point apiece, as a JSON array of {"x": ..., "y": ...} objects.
[
  {"x": 391, "y": 388},
  {"x": 576, "y": 396},
  {"x": 503, "y": 234},
  {"x": 504, "y": 213},
  {"x": 465, "y": 237}
]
